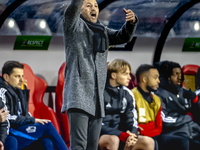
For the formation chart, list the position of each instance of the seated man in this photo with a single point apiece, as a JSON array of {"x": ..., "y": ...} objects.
[
  {"x": 149, "y": 110},
  {"x": 25, "y": 128},
  {"x": 177, "y": 102},
  {"x": 119, "y": 127}
]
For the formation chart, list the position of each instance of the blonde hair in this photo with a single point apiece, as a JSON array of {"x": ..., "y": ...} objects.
[{"x": 117, "y": 65}]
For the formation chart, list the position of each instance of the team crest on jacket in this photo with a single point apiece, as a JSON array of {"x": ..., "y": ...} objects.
[
  {"x": 108, "y": 105},
  {"x": 31, "y": 129}
]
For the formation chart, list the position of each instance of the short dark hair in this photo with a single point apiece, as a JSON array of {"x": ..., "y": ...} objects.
[
  {"x": 142, "y": 69},
  {"x": 10, "y": 65},
  {"x": 117, "y": 65}
]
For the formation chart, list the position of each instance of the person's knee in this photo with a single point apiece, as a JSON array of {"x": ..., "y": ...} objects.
[
  {"x": 146, "y": 143},
  {"x": 109, "y": 141},
  {"x": 106, "y": 139},
  {"x": 114, "y": 139},
  {"x": 149, "y": 142},
  {"x": 49, "y": 125}
]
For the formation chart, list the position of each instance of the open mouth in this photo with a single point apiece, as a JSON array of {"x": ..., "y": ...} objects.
[{"x": 93, "y": 15}]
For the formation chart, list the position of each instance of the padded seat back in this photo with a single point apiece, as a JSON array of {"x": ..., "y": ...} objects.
[
  {"x": 133, "y": 82},
  {"x": 189, "y": 72},
  {"x": 37, "y": 108},
  {"x": 63, "y": 118}
]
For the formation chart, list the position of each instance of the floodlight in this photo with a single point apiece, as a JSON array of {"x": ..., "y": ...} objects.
[
  {"x": 11, "y": 23},
  {"x": 42, "y": 24},
  {"x": 196, "y": 26}
]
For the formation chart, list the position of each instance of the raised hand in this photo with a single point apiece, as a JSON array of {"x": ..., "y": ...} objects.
[{"x": 130, "y": 16}]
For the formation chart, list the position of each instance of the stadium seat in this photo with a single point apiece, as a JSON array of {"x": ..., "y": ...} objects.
[
  {"x": 37, "y": 108},
  {"x": 133, "y": 82},
  {"x": 63, "y": 118},
  {"x": 189, "y": 72}
]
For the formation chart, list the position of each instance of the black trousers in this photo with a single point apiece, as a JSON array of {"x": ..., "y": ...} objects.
[
  {"x": 84, "y": 130},
  {"x": 172, "y": 142}
]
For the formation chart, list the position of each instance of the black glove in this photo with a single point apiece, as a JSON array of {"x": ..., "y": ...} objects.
[{"x": 189, "y": 94}]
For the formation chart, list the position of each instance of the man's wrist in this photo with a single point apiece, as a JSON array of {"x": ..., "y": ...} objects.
[
  {"x": 123, "y": 136},
  {"x": 136, "y": 20}
]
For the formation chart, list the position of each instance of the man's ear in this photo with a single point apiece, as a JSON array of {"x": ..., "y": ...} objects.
[
  {"x": 144, "y": 79},
  {"x": 6, "y": 77},
  {"x": 113, "y": 75}
]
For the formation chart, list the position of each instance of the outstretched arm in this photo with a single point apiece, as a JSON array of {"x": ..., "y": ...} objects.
[
  {"x": 125, "y": 34},
  {"x": 72, "y": 14}
]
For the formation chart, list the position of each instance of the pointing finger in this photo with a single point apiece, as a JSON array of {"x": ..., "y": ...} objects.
[{"x": 125, "y": 10}]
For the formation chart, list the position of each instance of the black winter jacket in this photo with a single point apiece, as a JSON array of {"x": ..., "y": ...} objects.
[
  {"x": 3, "y": 125},
  {"x": 120, "y": 114},
  {"x": 12, "y": 96},
  {"x": 175, "y": 107}
]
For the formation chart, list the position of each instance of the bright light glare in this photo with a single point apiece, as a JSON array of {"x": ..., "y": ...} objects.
[
  {"x": 11, "y": 23},
  {"x": 42, "y": 24},
  {"x": 196, "y": 26}
]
